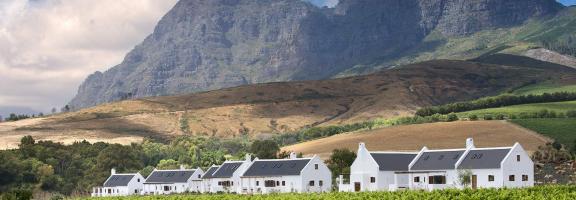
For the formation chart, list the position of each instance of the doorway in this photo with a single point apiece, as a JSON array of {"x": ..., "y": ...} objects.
[
  {"x": 357, "y": 187},
  {"x": 474, "y": 182}
]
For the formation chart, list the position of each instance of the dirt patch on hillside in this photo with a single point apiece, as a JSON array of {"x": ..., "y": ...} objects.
[{"x": 433, "y": 136}]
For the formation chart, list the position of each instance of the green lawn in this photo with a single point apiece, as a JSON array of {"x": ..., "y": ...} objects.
[
  {"x": 539, "y": 89},
  {"x": 517, "y": 109},
  {"x": 562, "y": 130}
]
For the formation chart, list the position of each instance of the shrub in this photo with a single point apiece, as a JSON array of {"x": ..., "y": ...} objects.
[
  {"x": 488, "y": 117},
  {"x": 473, "y": 117},
  {"x": 452, "y": 117},
  {"x": 500, "y": 116}
]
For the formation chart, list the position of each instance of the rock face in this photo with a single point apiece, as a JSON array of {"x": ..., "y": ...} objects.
[{"x": 210, "y": 44}]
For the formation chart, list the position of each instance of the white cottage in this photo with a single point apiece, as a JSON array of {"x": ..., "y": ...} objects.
[
  {"x": 286, "y": 175},
  {"x": 227, "y": 177},
  {"x": 438, "y": 169},
  {"x": 120, "y": 185},
  {"x": 207, "y": 180},
  {"x": 173, "y": 181},
  {"x": 489, "y": 168},
  {"x": 375, "y": 171}
]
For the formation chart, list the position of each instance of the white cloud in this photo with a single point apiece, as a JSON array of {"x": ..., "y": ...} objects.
[{"x": 48, "y": 47}]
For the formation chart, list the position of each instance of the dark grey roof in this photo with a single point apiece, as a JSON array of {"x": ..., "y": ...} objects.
[
  {"x": 276, "y": 167},
  {"x": 437, "y": 160},
  {"x": 118, "y": 180},
  {"x": 227, "y": 169},
  {"x": 210, "y": 172},
  {"x": 393, "y": 161},
  {"x": 169, "y": 176},
  {"x": 484, "y": 159}
]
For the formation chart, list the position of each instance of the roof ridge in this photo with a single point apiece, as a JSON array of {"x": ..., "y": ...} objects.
[
  {"x": 441, "y": 150},
  {"x": 281, "y": 159},
  {"x": 393, "y": 152}
]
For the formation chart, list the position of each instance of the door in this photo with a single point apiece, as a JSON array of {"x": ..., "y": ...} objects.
[
  {"x": 357, "y": 187},
  {"x": 474, "y": 182}
]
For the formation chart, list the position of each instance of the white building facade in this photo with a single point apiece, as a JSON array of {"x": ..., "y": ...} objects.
[
  {"x": 120, "y": 185},
  {"x": 161, "y": 182},
  {"x": 375, "y": 171},
  {"x": 227, "y": 177},
  {"x": 208, "y": 179},
  {"x": 298, "y": 175},
  {"x": 498, "y": 167}
]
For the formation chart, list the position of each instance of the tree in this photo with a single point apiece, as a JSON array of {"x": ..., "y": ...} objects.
[
  {"x": 340, "y": 161},
  {"x": 265, "y": 149},
  {"x": 452, "y": 117},
  {"x": 464, "y": 177},
  {"x": 168, "y": 164}
]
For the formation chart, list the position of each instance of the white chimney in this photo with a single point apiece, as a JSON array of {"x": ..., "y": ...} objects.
[
  {"x": 182, "y": 167},
  {"x": 113, "y": 171},
  {"x": 293, "y": 155},
  {"x": 470, "y": 143},
  {"x": 361, "y": 146},
  {"x": 248, "y": 158}
]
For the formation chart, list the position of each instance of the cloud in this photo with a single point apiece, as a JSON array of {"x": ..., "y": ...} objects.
[{"x": 48, "y": 47}]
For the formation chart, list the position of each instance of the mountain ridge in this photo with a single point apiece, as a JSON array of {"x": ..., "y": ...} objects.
[{"x": 204, "y": 45}]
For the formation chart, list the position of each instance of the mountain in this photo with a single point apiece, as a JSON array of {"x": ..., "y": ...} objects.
[
  {"x": 266, "y": 109},
  {"x": 202, "y": 45}
]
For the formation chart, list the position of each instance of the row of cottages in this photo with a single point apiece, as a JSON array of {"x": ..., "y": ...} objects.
[
  {"x": 260, "y": 176},
  {"x": 438, "y": 169}
]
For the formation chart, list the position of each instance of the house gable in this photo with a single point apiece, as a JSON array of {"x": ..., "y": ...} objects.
[{"x": 209, "y": 173}]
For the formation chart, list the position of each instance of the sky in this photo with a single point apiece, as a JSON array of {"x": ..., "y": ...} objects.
[{"x": 48, "y": 47}]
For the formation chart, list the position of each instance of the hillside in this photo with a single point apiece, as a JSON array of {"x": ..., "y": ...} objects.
[
  {"x": 275, "y": 108},
  {"x": 202, "y": 45},
  {"x": 433, "y": 135}
]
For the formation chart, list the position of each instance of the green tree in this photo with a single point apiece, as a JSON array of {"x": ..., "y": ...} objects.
[
  {"x": 168, "y": 164},
  {"x": 452, "y": 117},
  {"x": 265, "y": 149},
  {"x": 340, "y": 161}
]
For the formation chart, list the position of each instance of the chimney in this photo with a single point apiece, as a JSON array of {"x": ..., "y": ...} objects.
[
  {"x": 113, "y": 171},
  {"x": 470, "y": 143},
  {"x": 293, "y": 155},
  {"x": 361, "y": 146},
  {"x": 248, "y": 158},
  {"x": 182, "y": 167}
]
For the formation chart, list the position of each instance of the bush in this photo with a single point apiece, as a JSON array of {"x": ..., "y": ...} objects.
[
  {"x": 571, "y": 114},
  {"x": 473, "y": 117},
  {"x": 488, "y": 117},
  {"x": 500, "y": 116},
  {"x": 452, "y": 117}
]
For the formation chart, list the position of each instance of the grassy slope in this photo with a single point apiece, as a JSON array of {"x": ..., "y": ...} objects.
[
  {"x": 517, "y": 109},
  {"x": 562, "y": 130},
  {"x": 516, "y": 40},
  {"x": 537, "y": 193},
  {"x": 544, "y": 88}
]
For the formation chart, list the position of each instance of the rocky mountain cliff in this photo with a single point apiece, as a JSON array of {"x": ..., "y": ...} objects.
[{"x": 203, "y": 45}]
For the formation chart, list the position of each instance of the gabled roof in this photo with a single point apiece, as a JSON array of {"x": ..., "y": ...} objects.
[
  {"x": 227, "y": 169},
  {"x": 393, "y": 161},
  {"x": 210, "y": 172},
  {"x": 484, "y": 158},
  {"x": 276, "y": 167},
  {"x": 437, "y": 160},
  {"x": 169, "y": 176},
  {"x": 119, "y": 180}
]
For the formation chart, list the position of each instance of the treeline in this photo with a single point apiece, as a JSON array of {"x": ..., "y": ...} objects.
[
  {"x": 320, "y": 132},
  {"x": 74, "y": 169},
  {"x": 544, "y": 113},
  {"x": 564, "y": 45},
  {"x": 494, "y": 102}
]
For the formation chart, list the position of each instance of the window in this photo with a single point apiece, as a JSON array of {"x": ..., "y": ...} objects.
[
  {"x": 135, "y": 191},
  {"x": 437, "y": 179},
  {"x": 417, "y": 179},
  {"x": 490, "y": 178},
  {"x": 269, "y": 183},
  {"x": 277, "y": 182},
  {"x": 166, "y": 188},
  {"x": 257, "y": 183},
  {"x": 511, "y": 178},
  {"x": 283, "y": 183},
  {"x": 320, "y": 183},
  {"x": 524, "y": 177},
  {"x": 138, "y": 180},
  {"x": 316, "y": 166},
  {"x": 198, "y": 175},
  {"x": 518, "y": 158},
  {"x": 372, "y": 179},
  {"x": 311, "y": 183}
]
